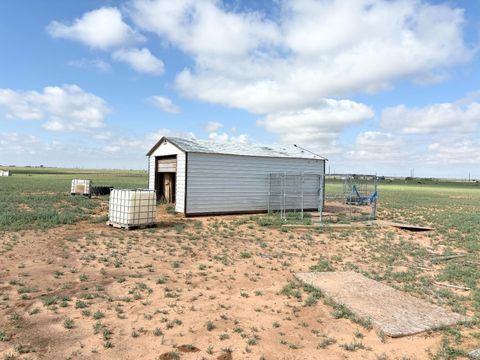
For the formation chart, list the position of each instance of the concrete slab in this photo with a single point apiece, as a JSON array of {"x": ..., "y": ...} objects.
[
  {"x": 333, "y": 227},
  {"x": 408, "y": 227},
  {"x": 394, "y": 312},
  {"x": 356, "y": 225},
  {"x": 475, "y": 354}
]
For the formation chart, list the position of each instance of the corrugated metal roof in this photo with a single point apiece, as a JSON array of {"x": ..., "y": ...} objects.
[{"x": 246, "y": 149}]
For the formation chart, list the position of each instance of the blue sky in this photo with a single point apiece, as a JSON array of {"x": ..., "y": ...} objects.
[{"x": 376, "y": 86}]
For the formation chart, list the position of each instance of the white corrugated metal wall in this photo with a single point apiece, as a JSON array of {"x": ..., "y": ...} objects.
[
  {"x": 164, "y": 149},
  {"x": 231, "y": 183}
]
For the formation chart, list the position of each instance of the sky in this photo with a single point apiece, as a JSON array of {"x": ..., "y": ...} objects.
[{"x": 376, "y": 86}]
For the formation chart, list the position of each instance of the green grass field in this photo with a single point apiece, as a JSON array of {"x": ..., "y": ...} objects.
[{"x": 39, "y": 197}]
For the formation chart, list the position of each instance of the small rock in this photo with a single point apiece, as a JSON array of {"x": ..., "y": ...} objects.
[
  {"x": 475, "y": 354},
  {"x": 187, "y": 348},
  {"x": 225, "y": 356}
]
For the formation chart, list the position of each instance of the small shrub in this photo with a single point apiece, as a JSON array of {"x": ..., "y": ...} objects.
[
  {"x": 224, "y": 337},
  {"x": 210, "y": 325},
  {"x": 323, "y": 265},
  {"x": 326, "y": 342},
  {"x": 98, "y": 315},
  {"x": 4, "y": 336},
  {"x": 170, "y": 209},
  {"x": 68, "y": 323}
]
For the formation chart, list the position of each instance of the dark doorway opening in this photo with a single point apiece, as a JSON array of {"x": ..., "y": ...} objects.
[
  {"x": 166, "y": 178},
  {"x": 165, "y": 186}
]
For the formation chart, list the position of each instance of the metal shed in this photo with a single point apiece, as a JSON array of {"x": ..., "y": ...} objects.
[{"x": 205, "y": 177}]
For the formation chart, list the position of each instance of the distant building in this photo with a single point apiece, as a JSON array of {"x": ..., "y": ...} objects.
[{"x": 205, "y": 177}]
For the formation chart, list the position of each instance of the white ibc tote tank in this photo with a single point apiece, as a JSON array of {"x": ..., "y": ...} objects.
[
  {"x": 129, "y": 208},
  {"x": 80, "y": 187}
]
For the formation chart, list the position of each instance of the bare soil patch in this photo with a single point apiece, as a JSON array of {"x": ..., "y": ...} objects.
[{"x": 213, "y": 284}]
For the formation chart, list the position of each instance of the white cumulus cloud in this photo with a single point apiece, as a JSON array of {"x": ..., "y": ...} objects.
[
  {"x": 105, "y": 29},
  {"x": 141, "y": 60},
  {"x": 99, "y": 64},
  {"x": 63, "y": 108},
  {"x": 313, "y": 49},
  {"x": 18, "y": 143},
  {"x": 164, "y": 103},
  {"x": 213, "y": 126},
  {"x": 203, "y": 27},
  {"x": 317, "y": 127},
  {"x": 455, "y": 151},
  {"x": 102, "y": 28},
  {"x": 380, "y": 147},
  {"x": 461, "y": 116},
  {"x": 224, "y": 137},
  {"x": 288, "y": 68}
]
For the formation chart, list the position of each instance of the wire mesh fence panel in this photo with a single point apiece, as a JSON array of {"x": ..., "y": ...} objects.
[
  {"x": 291, "y": 194},
  {"x": 275, "y": 197}
]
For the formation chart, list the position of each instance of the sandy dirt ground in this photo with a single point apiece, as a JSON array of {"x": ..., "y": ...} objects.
[{"x": 203, "y": 288}]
